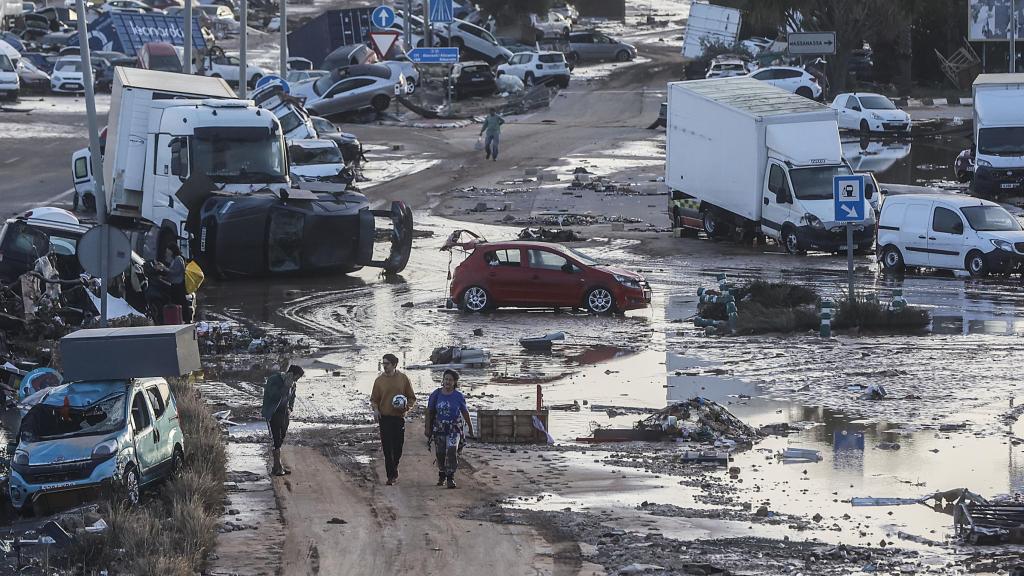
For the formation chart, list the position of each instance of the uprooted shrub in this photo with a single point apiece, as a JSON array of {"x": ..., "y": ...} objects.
[
  {"x": 172, "y": 533},
  {"x": 872, "y": 316}
]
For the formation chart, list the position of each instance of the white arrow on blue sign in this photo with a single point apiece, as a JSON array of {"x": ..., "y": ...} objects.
[
  {"x": 437, "y": 55},
  {"x": 383, "y": 17},
  {"x": 441, "y": 11},
  {"x": 848, "y": 193}
]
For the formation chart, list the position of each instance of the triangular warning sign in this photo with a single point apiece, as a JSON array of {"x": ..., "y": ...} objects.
[{"x": 383, "y": 41}]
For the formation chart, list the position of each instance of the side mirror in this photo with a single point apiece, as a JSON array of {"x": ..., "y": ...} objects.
[
  {"x": 856, "y": 109},
  {"x": 567, "y": 268}
]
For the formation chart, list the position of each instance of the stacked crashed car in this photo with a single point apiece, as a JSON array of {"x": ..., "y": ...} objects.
[
  {"x": 79, "y": 439},
  {"x": 538, "y": 274},
  {"x": 318, "y": 160},
  {"x": 352, "y": 88}
]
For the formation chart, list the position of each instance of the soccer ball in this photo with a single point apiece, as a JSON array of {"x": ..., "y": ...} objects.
[{"x": 399, "y": 402}]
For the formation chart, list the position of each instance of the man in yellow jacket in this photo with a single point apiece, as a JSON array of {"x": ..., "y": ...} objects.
[{"x": 390, "y": 415}]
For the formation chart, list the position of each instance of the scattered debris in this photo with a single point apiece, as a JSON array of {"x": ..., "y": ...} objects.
[
  {"x": 801, "y": 454},
  {"x": 543, "y": 342},
  {"x": 548, "y": 235}
]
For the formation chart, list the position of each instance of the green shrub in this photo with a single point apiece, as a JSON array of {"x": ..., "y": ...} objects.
[{"x": 871, "y": 316}]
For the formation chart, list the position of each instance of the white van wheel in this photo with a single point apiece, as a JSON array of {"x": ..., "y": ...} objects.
[
  {"x": 975, "y": 264},
  {"x": 892, "y": 260},
  {"x": 791, "y": 242}
]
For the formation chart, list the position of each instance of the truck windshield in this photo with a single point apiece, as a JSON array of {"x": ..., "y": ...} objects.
[
  {"x": 1007, "y": 141},
  {"x": 816, "y": 183},
  {"x": 321, "y": 155},
  {"x": 239, "y": 155},
  {"x": 45, "y": 422},
  {"x": 991, "y": 219}
]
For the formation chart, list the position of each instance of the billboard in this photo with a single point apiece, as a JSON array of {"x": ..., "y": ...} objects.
[
  {"x": 126, "y": 32},
  {"x": 989, "y": 20}
]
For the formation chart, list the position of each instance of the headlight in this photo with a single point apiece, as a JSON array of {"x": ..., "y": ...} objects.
[
  {"x": 983, "y": 162},
  {"x": 627, "y": 282},
  {"x": 876, "y": 116},
  {"x": 812, "y": 221},
  {"x": 104, "y": 450},
  {"x": 20, "y": 458},
  {"x": 1003, "y": 245}
]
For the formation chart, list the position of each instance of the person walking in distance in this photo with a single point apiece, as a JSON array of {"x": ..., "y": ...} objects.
[
  {"x": 278, "y": 401},
  {"x": 391, "y": 398},
  {"x": 446, "y": 415},
  {"x": 491, "y": 130}
]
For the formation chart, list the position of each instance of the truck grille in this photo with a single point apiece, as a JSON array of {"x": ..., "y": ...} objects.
[{"x": 62, "y": 472}]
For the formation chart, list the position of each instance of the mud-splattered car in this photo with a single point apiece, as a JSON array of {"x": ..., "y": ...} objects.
[
  {"x": 81, "y": 438},
  {"x": 538, "y": 274}
]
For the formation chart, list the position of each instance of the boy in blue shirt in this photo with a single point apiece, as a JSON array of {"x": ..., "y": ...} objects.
[{"x": 446, "y": 414}]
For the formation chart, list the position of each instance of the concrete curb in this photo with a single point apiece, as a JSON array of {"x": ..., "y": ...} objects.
[{"x": 933, "y": 102}]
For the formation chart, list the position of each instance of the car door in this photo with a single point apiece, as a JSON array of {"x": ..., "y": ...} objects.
[
  {"x": 604, "y": 48},
  {"x": 583, "y": 45},
  {"x": 161, "y": 419},
  {"x": 350, "y": 95},
  {"x": 506, "y": 276},
  {"x": 849, "y": 113},
  {"x": 787, "y": 79},
  {"x": 765, "y": 76},
  {"x": 776, "y": 201},
  {"x": 946, "y": 238},
  {"x": 553, "y": 279},
  {"x": 147, "y": 436},
  {"x": 914, "y": 233}
]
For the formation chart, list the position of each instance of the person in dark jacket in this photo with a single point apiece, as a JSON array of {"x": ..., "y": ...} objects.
[{"x": 278, "y": 401}]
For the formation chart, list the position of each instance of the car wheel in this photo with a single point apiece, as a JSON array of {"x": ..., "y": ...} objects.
[
  {"x": 255, "y": 79},
  {"x": 622, "y": 56},
  {"x": 177, "y": 463},
  {"x": 528, "y": 79},
  {"x": 792, "y": 242},
  {"x": 130, "y": 486},
  {"x": 476, "y": 299},
  {"x": 710, "y": 224},
  {"x": 892, "y": 259},
  {"x": 805, "y": 92},
  {"x": 864, "y": 127},
  {"x": 89, "y": 203},
  {"x": 975, "y": 264},
  {"x": 600, "y": 301},
  {"x": 380, "y": 102}
]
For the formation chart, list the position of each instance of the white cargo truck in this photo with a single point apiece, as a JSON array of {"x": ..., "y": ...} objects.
[
  {"x": 745, "y": 158},
  {"x": 999, "y": 134},
  {"x": 171, "y": 139}
]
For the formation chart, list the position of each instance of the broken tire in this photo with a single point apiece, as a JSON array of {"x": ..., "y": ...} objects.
[
  {"x": 475, "y": 299},
  {"x": 600, "y": 301}
]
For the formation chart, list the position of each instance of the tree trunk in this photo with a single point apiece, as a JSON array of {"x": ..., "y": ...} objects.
[
  {"x": 905, "y": 57},
  {"x": 839, "y": 66}
]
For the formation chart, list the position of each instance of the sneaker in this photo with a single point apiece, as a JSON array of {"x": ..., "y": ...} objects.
[
  {"x": 390, "y": 482},
  {"x": 451, "y": 483},
  {"x": 440, "y": 479}
]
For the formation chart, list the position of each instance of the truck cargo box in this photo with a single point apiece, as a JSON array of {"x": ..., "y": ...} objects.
[{"x": 122, "y": 353}]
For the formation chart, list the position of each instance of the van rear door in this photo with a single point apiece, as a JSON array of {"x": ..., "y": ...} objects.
[
  {"x": 914, "y": 233},
  {"x": 81, "y": 175}
]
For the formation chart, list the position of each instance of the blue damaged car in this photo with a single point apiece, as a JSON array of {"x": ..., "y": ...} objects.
[{"x": 80, "y": 439}]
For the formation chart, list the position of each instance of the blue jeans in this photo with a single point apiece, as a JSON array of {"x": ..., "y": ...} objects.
[{"x": 491, "y": 146}]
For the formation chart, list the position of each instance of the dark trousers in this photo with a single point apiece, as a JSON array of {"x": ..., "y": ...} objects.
[
  {"x": 278, "y": 427},
  {"x": 392, "y": 439}
]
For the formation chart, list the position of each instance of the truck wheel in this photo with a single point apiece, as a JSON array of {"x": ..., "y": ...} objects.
[
  {"x": 380, "y": 102},
  {"x": 710, "y": 224},
  {"x": 892, "y": 259},
  {"x": 975, "y": 264},
  {"x": 792, "y": 242}
]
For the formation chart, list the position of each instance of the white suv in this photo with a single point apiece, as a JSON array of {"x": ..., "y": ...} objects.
[
  {"x": 551, "y": 26},
  {"x": 796, "y": 80},
  {"x": 949, "y": 231},
  {"x": 538, "y": 67}
]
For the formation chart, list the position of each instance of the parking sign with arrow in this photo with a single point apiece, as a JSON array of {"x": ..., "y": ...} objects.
[{"x": 848, "y": 193}]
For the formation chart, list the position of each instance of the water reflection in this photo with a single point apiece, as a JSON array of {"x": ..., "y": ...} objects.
[{"x": 866, "y": 155}]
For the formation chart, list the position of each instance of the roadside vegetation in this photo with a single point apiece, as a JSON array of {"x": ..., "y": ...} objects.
[{"x": 174, "y": 530}]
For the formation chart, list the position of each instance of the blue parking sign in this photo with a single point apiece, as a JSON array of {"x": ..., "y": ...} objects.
[{"x": 848, "y": 193}]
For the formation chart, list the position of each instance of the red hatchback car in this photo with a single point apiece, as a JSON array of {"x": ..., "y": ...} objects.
[{"x": 536, "y": 274}]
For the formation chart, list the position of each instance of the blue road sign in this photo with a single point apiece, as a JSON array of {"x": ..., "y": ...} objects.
[
  {"x": 436, "y": 55},
  {"x": 441, "y": 11},
  {"x": 848, "y": 192},
  {"x": 383, "y": 17},
  {"x": 272, "y": 79}
]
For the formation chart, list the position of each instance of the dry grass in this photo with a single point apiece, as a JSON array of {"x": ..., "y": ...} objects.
[
  {"x": 873, "y": 316},
  {"x": 173, "y": 534}
]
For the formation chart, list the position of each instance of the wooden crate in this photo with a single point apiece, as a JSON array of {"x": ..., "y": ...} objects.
[{"x": 511, "y": 426}]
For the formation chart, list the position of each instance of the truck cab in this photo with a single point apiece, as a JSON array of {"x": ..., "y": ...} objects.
[{"x": 998, "y": 135}]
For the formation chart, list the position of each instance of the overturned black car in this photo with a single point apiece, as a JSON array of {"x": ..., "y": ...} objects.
[{"x": 314, "y": 229}]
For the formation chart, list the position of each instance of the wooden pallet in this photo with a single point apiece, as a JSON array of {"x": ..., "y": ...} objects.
[{"x": 511, "y": 426}]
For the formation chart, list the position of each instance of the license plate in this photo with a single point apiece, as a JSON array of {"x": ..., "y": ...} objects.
[{"x": 1008, "y": 185}]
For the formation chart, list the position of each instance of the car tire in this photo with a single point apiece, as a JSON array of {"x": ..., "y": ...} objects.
[
  {"x": 805, "y": 92},
  {"x": 711, "y": 227},
  {"x": 892, "y": 259},
  {"x": 975, "y": 264},
  {"x": 528, "y": 79},
  {"x": 791, "y": 242},
  {"x": 89, "y": 203},
  {"x": 380, "y": 102},
  {"x": 130, "y": 487},
  {"x": 622, "y": 56},
  {"x": 599, "y": 300},
  {"x": 177, "y": 463},
  {"x": 864, "y": 127},
  {"x": 475, "y": 299},
  {"x": 255, "y": 79}
]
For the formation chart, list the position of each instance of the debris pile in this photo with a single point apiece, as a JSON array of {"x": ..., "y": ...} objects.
[
  {"x": 702, "y": 420},
  {"x": 550, "y": 235},
  {"x": 228, "y": 336}
]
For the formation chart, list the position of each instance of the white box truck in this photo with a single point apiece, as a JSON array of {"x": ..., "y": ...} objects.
[
  {"x": 745, "y": 158},
  {"x": 998, "y": 134}
]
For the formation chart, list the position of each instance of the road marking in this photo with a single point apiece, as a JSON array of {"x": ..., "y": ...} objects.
[
  {"x": 15, "y": 159},
  {"x": 49, "y": 200}
]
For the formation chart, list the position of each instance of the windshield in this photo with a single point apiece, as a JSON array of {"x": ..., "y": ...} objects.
[
  {"x": 69, "y": 66},
  {"x": 1007, "y": 141},
  {"x": 289, "y": 122},
  {"x": 322, "y": 84},
  {"x": 45, "y": 422},
  {"x": 582, "y": 258},
  {"x": 165, "y": 62},
  {"x": 990, "y": 219},
  {"x": 5, "y": 64},
  {"x": 306, "y": 156},
  {"x": 877, "y": 103},
  {"x": 816, "y": 183},
  {"x": 231, "y": 156}
]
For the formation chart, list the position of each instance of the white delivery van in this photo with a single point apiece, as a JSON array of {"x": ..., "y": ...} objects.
[
  {"x": 998, "y": 134},
  {"x": 948, "y": 231},
  {"x": 745, "y": 158}
]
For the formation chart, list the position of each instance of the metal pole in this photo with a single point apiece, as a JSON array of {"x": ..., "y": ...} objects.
[
  {"x": 408, "y": 25},
  {"x": 849, "y": 257},
  {"x": 428, "y": 32},
  {"x": 94, "y": 152},
  {"x": 243, "y": 62},
  {"x": 1013, "y": 36},
  {"x": 186, "y": 66},
  {"x": 284, "y": 38}
]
